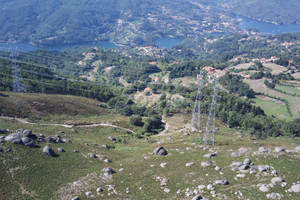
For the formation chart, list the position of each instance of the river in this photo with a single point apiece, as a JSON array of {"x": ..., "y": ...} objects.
[{"x": 266, "y": 27}]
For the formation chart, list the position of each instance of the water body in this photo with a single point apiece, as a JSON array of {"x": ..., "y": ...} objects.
[
  {"x": 167, "y": 42},
  {"x": 25, "y": 47},
  {"x": 266, "y": 27}
]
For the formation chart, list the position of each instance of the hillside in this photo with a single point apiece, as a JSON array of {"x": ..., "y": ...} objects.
[
  {"x": 279, "y": 12},
  {"x": 183, "y": 174}
]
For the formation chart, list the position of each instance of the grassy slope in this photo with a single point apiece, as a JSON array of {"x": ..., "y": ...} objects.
[
  {"x": 29, "y": 174},
  {"x": 258, "y": 86},
  {"x": 272, "y": 107}
]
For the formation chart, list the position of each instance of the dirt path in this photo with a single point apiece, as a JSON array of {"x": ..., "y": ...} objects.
[{"x": 23, "y": 121}]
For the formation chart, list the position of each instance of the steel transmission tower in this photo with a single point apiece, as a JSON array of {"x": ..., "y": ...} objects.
[
  {"x": 195, "y": 125},
  {"x": 18, "y": 82},
  {"x": 209, "y": 135}
]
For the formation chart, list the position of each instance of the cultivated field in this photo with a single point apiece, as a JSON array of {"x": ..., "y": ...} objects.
[
  {"x": 259, "y": 86},
  {"x": 276, "y": 69}
]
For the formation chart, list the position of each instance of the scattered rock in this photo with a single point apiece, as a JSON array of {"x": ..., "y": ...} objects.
[
  {"x": 236, "y": 164},
  {"x": 108, "y": 170},
  {"x": 279, "y": 149},
  {"x": 73, "y": 130},
  {"x": 247, "y": 161},
  {"x": 197, "y": 197},
  {"x": 88, "y": 193},
  {"x": 107, "y": 161},
  {"x": 160, "y": 151},
  {"x": 28, "y": 142},
  {"x": 297, "y": 149},
  {"x": 277, "y": 180},
  {"x": 167, "y": 190},
  {"x": 235, "y": 154},
  {"x": 121, "y": 169},
  {"x": 210, "y": 155},
  {"x": 164, "y": 182},
  {"x": 112, "y": 138},
  {"x": 274, "y": 196},
  {"x": 189, "y": 164},
  {"x": 99, "y": 190},
  {"x": 2, "y": 131},
  {"x": 67, "y": 141},
  {"x": 217, "y": 168},
  {"x": 60, "y": 150},
  {"x": 221, "y": 182},
  {"x": 263, "y": 168},
  {"x": 49, "y": 151},
  {"x": 296, "y": 188},
  {"x": 50, "y": 139},
  {"x": 58, "y": 140},
  {"x": 92, "y": 155},
  {"x": 76, "y": 151},
  {"x": 164, "y": 164},
  {"x": 244, "y": 167},
  {"x": 264, "y": 188},
  {"x": 240, "y": 175},
  {"x": 75, "y": 198},
  {"x": 210, "y": 187},
  {"x": 206, "y": 164}
]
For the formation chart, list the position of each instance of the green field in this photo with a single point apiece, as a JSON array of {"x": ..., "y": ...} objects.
[
  {"x": 272, "y": 107},
  {"x": 288, "y": 89},
  {"x": 259, "y": 86}
]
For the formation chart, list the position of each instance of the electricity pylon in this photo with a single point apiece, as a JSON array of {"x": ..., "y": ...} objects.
[
  {"x": 209, "y": 135},
  {"x": 195, "y": 125},
  {"x": 18, "y": 82}
]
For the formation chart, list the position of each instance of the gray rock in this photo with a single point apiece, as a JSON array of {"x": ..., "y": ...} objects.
[
  {"x": 264, "y": 188},
  {"x": 99, "y": 190},
  {"x": 263, "y": 150},
  {"x": 297, "y": 149},
  {"x": 107, "y": 161},
  {"x": 236, "y": 164},
  {"x": 67, "y": 141},
  {"x": 235, "y": 154},
  {"x": 92, "y": 155},
  {"x": 279, "y": 149},
  {"x": 2, "y": 131},
  {"x": 277, "y": 180},
  {"x": 210, "y": 155},
  {"x": 221, "y": 182},
  {"x": 73, "y": 130},
  {"x": 263, "y": 168},
  {"x": 274, "y": 196},
  {"x": 15, "y": 138},
  {"x": 167, "y": 190},
  {"x": 189, "y": 164},
  {"x": 108, "y": 170},
  {"x": 247, "y": 161},
  {"x": 217, "y": 168},
  {"x": 164, "y": 182},
  {"x": 49, "y": 151},
  {"x": 244, "y": 167},
  {"x": 50, "y": 139},
  {"x": 160, "y": 151},
  {"x": 197, "y": 197},
  {"x": 296, "y": 188},
  {"x": 60, "y": 150},
  {"x": 75, "y": 198},
  {"x": 28, "y": 142},
  {"x": 111, "y": 138},
  {"x": 58, "y": 140},
  {"x": 206, "y": 164},
  {"x": 164, "y": 164},
  {"x": 76, "y": 151},
  {"x": 253, "y": 169},
  {"x": 88, "y": 193}
]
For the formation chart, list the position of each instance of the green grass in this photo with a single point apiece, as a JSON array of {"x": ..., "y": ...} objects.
[
  {"x": 37, "y": 176},
  {"x": 288, "y": 89},
  {"x": 273, "y": 107}
]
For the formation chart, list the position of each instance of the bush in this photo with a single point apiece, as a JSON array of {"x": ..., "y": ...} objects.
[{"x": 136, "y": 120}]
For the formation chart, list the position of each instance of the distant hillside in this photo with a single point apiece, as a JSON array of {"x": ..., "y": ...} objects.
[{"x": 277, "y": 11}]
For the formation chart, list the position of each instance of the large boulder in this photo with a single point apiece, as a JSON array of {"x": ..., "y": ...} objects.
[
  {"x": 14, "y": 138},
  {"x": 296, "y": 188},
  {"x": 277, "y": 180},
  {"x": 160, "y": 151},
  {"x": 49, "y": 151},
  {"x": 28, "y": 142}
]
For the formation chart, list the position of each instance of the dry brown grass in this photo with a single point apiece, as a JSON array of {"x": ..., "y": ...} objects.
[{"x": 276, "y": 69}]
